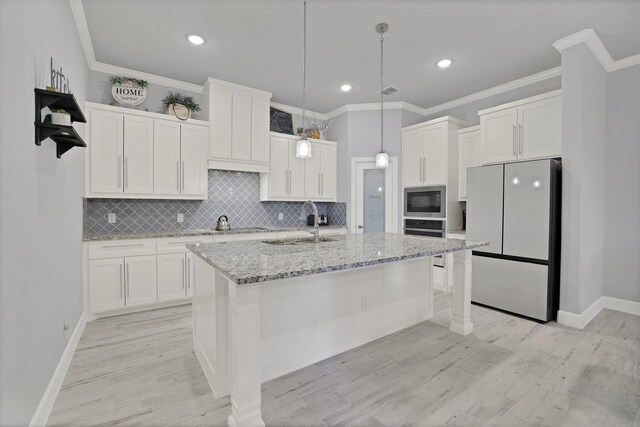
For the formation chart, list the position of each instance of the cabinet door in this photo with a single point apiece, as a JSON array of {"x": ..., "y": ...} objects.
[
  {"x": 193, "y": 157},
  {"x": 138, "y": 155},
  {"x": 484, "y": 206},
  {"x": 260, "y": 130},
  {"x": 469, "y": 155},
  {"x": 312, "y": 170},
  {"x": 106, "y": 284},
  {"x": 435, "y": 155},
  {"x": 166, "y": 157},
  {"x": 498, "y": 135},
  {"x": 241, "y": 127},
  {"x": 329, "y": 171},
  {"x": 172, "y": 276},
  {"x": 220, "y": 116},
  {"x": 540, "y": 128},
  {"x": 279, "y": 176},
  {"x": 106, "y": 148},
  {"x": 296, "y": 173},
  {"x": 140, "y": 279},
  {"x": 412, "y": 154},
  {"x": 190, "y": 275}
]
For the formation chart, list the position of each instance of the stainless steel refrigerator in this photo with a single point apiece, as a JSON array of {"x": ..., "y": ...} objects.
[{"x": 516, "y": 207}]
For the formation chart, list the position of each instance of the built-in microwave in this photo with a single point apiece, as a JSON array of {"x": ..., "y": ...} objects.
[{"x": 425, "y": 202}]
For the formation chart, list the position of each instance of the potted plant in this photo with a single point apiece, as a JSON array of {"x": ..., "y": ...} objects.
[
  {"x": 300, "y": 131},
  {"x": 60, "y": 117},
  {"x": 180, "y": 105}
]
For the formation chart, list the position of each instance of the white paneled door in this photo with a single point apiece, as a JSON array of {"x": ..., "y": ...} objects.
[
  {"x": 499, "y": 134},
  {"x": 140, "y": 280},
  {"x": 138, "y": 155},
  {"x": 106, "y": 284},
  {"x": 166, "y": 153},
  {"x": 540, "y": 127},
  {"x": 172, "y": 273},
  {"x": 193, "y": 160},
  {"x": 106, "y": 150},
  {"x": 412, "y": 158}
]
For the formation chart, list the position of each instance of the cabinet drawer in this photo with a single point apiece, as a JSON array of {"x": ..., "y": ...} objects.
[
  {"x": 121, "y": 248},
  {"x": 179, "y": 245}
]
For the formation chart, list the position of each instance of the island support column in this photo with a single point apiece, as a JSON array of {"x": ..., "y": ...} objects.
[
  {"x": 461, "y": 307},
  {"x": 244, "y": 323}
]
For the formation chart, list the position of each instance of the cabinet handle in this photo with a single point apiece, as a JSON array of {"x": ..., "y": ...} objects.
[
  {"x": 123, "y": 246},
  {"x": 424, "y": 169},
  {"x": 121, "y": 283},
  {"x": 322, "y": 183},
  {"x": 178, "y": 177},
  {"x": 521, "y": 139},
  {"x": 119, "y": 170},
  {"x": 126, "y": 172},
  {"x": 289, "y": 181},
  {"x": 184, "y": 273},
  {"x": 188, "y": 273},
  {"x": 182, "y": 175},
  {"x": 127, "y": 282},
  {"x": 513, "y": 143},
  {"x": 319, "y": 181}
]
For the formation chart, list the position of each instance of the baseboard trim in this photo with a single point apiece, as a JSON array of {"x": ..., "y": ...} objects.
[
  {"x": 51, "y": 393},
  {"x": 579, "y": 321}
]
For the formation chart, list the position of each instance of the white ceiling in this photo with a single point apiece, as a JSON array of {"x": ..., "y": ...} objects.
[{"x": 259, "y": 43}]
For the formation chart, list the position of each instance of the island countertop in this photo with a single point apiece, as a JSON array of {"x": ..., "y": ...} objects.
[{"x": 246, "y": 262}]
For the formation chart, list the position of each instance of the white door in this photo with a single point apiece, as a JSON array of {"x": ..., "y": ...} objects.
[
  {"x": 193, "y": 158},
  {"x": 138, "y": 155},
  {"x": 540, "y": 128},
  {"x": 259, "y": 130},
  {"x": 412, "y": 158},
  {"x": 469, "y": 155},
  {"x": 296, "y": 172},
  {"x": 279, "y": 176},
  {"x": 329, "y": 171},
  {"x": 241, "y": 127},
  {"x": 140, "y": 279},
  {"x": 435, "y": 155},
  {"x": 499, "y": 135},
  {"x": 374, "y": 198},
  {"x": 312, "y": 170},
  {"x": 106, "y": 284},
  {"x": 172, "y": 274},
  {"x": 106, "y": 148},
  {"x": 221, "y": 106},
  {"x": 166, "y": 155}
]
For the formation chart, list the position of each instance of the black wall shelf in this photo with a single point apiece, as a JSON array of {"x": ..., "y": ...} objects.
[{"x": 65, "y": 137}]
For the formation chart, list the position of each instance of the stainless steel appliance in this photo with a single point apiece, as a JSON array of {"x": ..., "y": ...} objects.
[
  {"x": 425, "y": 202},
  {"x": 516, "y": 207},
  {"x": 428, "y": 228}
]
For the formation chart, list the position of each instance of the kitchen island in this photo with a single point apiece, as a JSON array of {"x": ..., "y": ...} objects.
[{"x": 266, "y": 308}]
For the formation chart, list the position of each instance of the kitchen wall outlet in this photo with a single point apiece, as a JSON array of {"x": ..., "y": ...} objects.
[
  {"x": 281, "y": 216},
  {"x": 111, "y": 217},
  {"x": 180, "y": 217}
]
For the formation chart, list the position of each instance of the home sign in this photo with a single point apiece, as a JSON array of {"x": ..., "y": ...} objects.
[{"x": 128, "y": 93}]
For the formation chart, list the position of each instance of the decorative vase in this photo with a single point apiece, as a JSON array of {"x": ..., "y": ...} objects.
[
  {"x": 62, "y": 119},
  {"x": 178, "y": 110}
]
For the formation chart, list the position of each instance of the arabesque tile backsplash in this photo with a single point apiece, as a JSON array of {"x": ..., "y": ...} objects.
[{"x": 235, "y": 194}]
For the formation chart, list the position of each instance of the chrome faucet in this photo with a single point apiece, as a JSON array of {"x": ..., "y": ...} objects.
[{"x": 316, "y": 227}]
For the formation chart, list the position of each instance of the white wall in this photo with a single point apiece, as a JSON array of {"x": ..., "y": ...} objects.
[
  {"x": 40, "y": 207},
  {"x": 622, "y": 194},
  {"x": 584, "y": 87}
]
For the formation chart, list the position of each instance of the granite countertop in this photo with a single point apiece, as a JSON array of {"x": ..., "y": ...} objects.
[
  {"x": 91, "y": 237},
  {"x": 251, "y": 262}
]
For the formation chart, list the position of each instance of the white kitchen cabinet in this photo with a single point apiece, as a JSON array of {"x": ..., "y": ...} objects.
[
  {"x": 172, "y": 276},
  {"x": 138, "y": 155},
  {"x": 527, "y": 129},
  {"x": 140, "y": 280},
  {"x": 106, "y": 151},
  {"x": 292, "y": 178},
  {"x": 106, "y": 284},
  {"x": 412, "y": 158},
  {"x": 239, "y": 139},
  {"x": 435, "y": 155},
  {"x": 470, "y": 154}
]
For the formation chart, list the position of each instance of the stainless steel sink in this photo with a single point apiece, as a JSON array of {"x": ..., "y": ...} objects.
[{"x": 297, "y": 241}]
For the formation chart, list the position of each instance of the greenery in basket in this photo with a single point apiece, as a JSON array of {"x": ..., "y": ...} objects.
[
  {"x": 118, "y": 80},
  {"x": 178, "y": 98}
]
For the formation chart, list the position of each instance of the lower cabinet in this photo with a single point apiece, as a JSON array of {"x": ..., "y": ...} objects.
[{"x": 174, "y": 276}]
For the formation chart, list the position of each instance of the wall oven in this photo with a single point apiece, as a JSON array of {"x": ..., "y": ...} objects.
[
  {"x": 425, "y": 202},
  {"x": 426, "y": 228}
]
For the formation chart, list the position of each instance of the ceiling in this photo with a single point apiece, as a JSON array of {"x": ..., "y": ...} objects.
[{"x": 258, "y": 43}]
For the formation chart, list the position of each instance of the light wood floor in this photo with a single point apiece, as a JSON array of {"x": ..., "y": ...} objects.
[{"x": 140, "y": 369}]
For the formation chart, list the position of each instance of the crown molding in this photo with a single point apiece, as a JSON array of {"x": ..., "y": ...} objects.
[
  {"x": 591, "y": 39},
  {"x": 298, "y": 111},
  {"x": 83, "y": 31},
  {"x": 400, "y": 105},
  {"x": 215, "y": 82},
  {"x": 151, "y": 78}
]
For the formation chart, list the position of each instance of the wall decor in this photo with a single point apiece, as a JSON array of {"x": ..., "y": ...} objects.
[
  {"x": 59, "y": 82},
  {"x": 128, "y": 91},
  {"x": 180, "y": 105},
  {"x": 280, "y": 121}
]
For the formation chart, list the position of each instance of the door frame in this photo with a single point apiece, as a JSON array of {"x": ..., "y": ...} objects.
[{"x": 391, "y": 203}]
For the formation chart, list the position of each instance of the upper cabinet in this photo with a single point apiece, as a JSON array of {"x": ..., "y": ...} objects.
[
  {"x": 137, "y": 154},
  {"x": 239, "y": 137},
  {"x": 527, "y": 129},
  {"x": 297, "y": 179},
  {"x": 470, "y": 154}
]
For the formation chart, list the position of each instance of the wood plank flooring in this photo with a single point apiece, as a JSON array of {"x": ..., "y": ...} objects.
[{"x": 139, "y": 369}]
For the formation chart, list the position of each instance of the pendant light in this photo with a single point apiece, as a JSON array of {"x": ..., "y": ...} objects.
[
  {"x": 382, "y": 158},
  {"x": 303, "y": 146}
]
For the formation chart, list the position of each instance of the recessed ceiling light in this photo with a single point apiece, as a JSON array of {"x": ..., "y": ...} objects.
[
  {"x": 444, "y": 63},
  {"x": 195, "y": 39},
  {"x": 345, "y": 87}
]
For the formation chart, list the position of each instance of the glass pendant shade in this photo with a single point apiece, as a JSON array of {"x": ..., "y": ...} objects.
[
  {"x": 382, "y": 159},
  {"x": 303, "y": 149}
]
